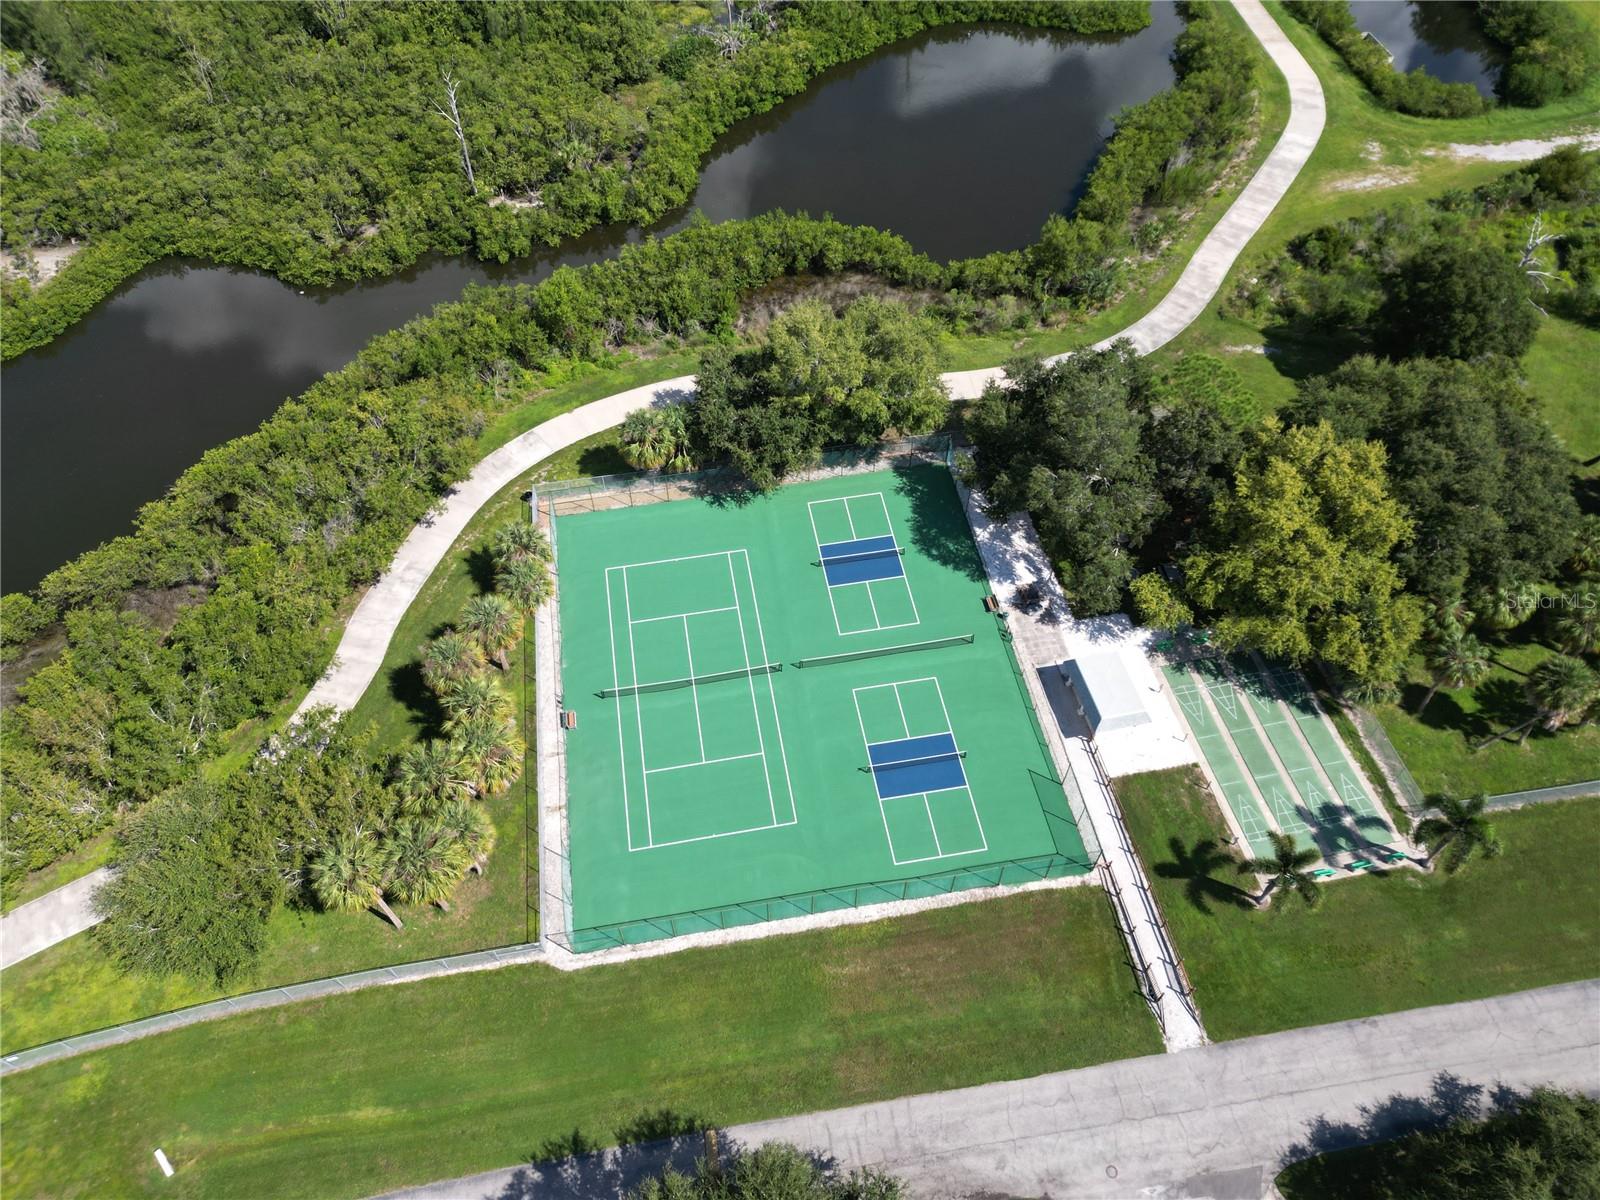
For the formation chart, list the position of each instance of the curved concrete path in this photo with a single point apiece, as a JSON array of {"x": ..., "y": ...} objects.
[
  {"x": 372, "y": 625},
  {"x": 1218, "y": 1122}
]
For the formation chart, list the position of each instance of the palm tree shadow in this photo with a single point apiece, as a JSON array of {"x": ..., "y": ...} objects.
[
  {"x": 1346, "y": 830},
  {"x": 1197, "y": 867},
  {"x": 406, "y": 685},
  {"x": 480, "y": 566}
]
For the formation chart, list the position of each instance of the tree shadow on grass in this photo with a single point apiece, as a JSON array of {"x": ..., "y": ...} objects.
[
  {"x": 575, "y": 1166},
  {"x": 1198, "y": 867},
  {"x": 1444, "y": 713},
  {"x": 406, "y": 686},
  {"x": 604, "y": 459}
]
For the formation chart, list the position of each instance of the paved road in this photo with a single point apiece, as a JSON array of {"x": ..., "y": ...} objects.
[{"x": 1213, "y": 1122}]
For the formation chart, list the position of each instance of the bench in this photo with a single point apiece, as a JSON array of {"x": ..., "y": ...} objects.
[
  {"x": 1360, "y": 864},
  {"x": 1323, "y": 872}
]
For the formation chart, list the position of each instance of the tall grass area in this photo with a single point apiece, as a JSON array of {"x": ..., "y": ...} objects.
[
  {"x": 358, "y": 1094},
  {"x": 1379, "y": 943}
]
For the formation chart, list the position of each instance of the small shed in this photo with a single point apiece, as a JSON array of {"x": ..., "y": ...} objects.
[{"x": 1105, "y": 691}]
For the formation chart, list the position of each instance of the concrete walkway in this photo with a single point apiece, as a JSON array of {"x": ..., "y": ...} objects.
[
  {"x": 1219, "y": 1121},
  {"x": 53, "y": 917},
  {"x": 1040, "y": 636},
  {"x": 371, "y": 627}
]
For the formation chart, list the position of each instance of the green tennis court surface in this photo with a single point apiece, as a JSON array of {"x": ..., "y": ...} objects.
[
  {"x": 792, "y": 704},
  {"x": 1276, "y": 758}
]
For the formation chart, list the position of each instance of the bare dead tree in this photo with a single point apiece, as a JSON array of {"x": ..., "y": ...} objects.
[
  {"x": 452, "y": 115},
  {"x": 203, "y": 70},
  {"x": 1532, "y": 263},
  {"x": 25, "y": 93}
]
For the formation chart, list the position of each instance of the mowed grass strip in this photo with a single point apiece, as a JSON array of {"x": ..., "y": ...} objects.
[
  {"x": 1381, "y": 943},
  {"x": 358, "y": 1094}
]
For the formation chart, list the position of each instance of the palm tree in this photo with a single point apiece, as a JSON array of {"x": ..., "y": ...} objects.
[
  {"x": 1586, "y": 546},
  {"x": 1578, "y": 632},
  {"x": 655, "y": 439},
  {"x": 428, "y": 775},
  {"x": 1561, "y": 690},
  {"x": 490, "y": 752},
  {"x": 525, "y": 582},
  {"x": 350, "y": 875},
  {"x": 475, "y": 696},
  {"x": 1456, "y": 659},
  {"x": 1507, "y": 606},
  {"x": 426, "y": 861},
  {"x": 516, "y": 542},
  {"x": 470, "y": 825},
  {"x": 448, "y": 658},
  {"x": 494, "y": 624},
  {"x": 1462, "y": 828},
  {"x": 1286, "y": 868}
]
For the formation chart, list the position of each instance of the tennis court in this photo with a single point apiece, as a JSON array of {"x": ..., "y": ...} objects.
[
  {"x": 791, "y": 703},
  {"x": 1276, "y": 758}
]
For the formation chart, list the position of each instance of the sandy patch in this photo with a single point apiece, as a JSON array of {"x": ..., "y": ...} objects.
[
  {"x": 1383, "y": 177},
  {"x": 1522, "y": 151},
  {"x": 528, "y": 200},
  {"x": 39, "y": 264}
]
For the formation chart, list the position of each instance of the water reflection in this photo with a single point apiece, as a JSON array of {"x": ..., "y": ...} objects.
[
  {"x": 1444, "y": 38},
  {"x": 962, "y": 140}
]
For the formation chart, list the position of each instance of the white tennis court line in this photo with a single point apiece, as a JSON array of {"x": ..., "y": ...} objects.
[
  {"x": 877, "y": 622},
  {"x": 772, "y": 693},
  {"x": 646, "y": 770},
  {"x": 699, "y": 612},
  {"x": 927, "y": 807}
]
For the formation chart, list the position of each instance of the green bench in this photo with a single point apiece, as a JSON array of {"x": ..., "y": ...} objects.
[
  {"x": 1360, "y": 864},
  {"x": 1397, "y": 856},
  {"x": 1323, "y": 872}
]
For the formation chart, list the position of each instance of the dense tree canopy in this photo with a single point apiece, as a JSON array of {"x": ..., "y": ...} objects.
[
  {"x": 1458, "y": 300},
  {"x": 1063, "y": 442},
  {"x": 1543, "y": 1146},
  {"x": 1295, "y": 560},
  {"x": 1485, "y": 481},
  {"x": 817, "y": 379}
]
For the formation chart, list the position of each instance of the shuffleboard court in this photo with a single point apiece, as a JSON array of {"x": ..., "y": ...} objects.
[
  {"x": 1282, "y": 799},
  {"x": 1229, "y": 774},
  {"x": 1270, "y": 748},
  {"x": 792, "y": 703}
]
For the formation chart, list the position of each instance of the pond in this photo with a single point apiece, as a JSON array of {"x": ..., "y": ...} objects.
[
  {"x": 1444, "y": 38},
  {"x": 962, "y": 139}
]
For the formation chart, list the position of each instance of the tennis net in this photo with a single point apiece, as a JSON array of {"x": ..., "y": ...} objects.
[
  {"x": 861, "y": 555},
  {"x": 672, "y": 685},
  {"x": 897, "y": 763},
  {"x": 823, "y": 660}
]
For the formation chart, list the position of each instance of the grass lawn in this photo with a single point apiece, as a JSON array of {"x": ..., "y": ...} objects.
[
  {"x": 1393, "y": 940},
  {"x": 1438, "y": 745},
  {"x": 362, "y": 1093}
]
